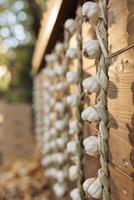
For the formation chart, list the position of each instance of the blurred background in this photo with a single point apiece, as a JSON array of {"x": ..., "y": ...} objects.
[{"x": 20, "y": 174}]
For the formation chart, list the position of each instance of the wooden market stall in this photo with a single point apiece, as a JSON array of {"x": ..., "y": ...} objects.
[{"x": 120, "y": 91}]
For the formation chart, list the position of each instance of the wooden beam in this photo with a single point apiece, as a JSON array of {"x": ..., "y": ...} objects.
[{"x": 51, "y": 29}]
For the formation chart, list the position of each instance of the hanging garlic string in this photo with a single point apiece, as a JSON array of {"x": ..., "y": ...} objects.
[
  {"x": 80, "y": 177},
  {"x": 102, "y": 76}
]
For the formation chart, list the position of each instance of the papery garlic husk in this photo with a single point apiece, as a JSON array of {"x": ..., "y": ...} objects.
[
  {"x": 60, "y": 124},
  {"x": 91, "y": 145},
  {"x": 75, "y": 194},
  {"x": 73, "y": 172},
  {"x": 73, "y": 127},
  {"x": 73, "y": 100},
  {"x": 90, "y": 114},
  {"x": 59, "y": 48},
  {"x": 72, "y": 53},
  {"x": 51, "y": 57},
  {"x": 70, "y": 25},
  {"x": 91, "y": 84},
  {"x": 60, "y": 158},
  {"x": 93, "y": 188},
  {"x": 72, "y": 147},
  {"x": 59, "y": 107},
  {"x": 91, "y": 49},
  {"x": 59, "y": 70},
  {"x": 59, "y": 189},
  {"x": 72, "y": 77},
  {"x": 90, "y": 10}
]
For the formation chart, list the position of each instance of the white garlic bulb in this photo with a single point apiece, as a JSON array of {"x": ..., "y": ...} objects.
[
  {"x": 73, "y": 127},
  {"x": 91, "y": 84},
  {"x": 75, "y": 194},
  {"x": 50, "y": 57},
  {"x": 59, "y": 48},
  {"x": 60, "y": 158},
  {"x": 59, "y": 189},
  {"x": 91, "y": 49},
  {"x": 72, "y": 147},
  {"x": 59, "y": 70},
  {"x": 52, "y": 116},
  {"x": 60, "y": 142},
  {"x": 90, "y": 114},
  {"x": 90, "y": 10},
  {"x": 60, "y": 176},
  {"x": 61, "y": 86},
  {"x": 73, "y": 172},
  {"x": 59, "y": 107},
  {"x": 72, "y": 53},
  {"x": 93, "y": 188},
  {"x": 72, "y": 77},
  {"x": 60, "y": 124},
  {"x": 73, "y": 100},
  {"x": 91, "y": 145},
  {"x": 70, "y": 25}
]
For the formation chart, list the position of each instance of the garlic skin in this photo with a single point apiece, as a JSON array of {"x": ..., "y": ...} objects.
[
  {"x": 59, "y": 158},
  {"x": 73, "y": 127},
  {"x": 91, "y": 145},
  {"x": 70, "y": 25},
  {"x": 60, "y": 176},
  {"x": 72, "y": 147},
  {"x": 91, "y": 84},
  {"x": 90, "y": 10},
  {"x": 73, "y": 100},
  {"x": 91, "y": 49},
  {"x": 93, "y": 188},
  {"x": 52, "y": 116},
  {"x": 72, "y": 77},
  {"x": 59, "y": 189},
  {"x": 61, "y": 86},
  {"x": 75, "y": 194},
  {"x": 90, "y": 114},
  {"x": 72, "y": 53},
  {"x": 59, "y": 107},
  {"x": 73, "y": 171}
]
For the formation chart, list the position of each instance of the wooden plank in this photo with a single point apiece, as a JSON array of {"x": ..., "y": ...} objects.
[
  {"x": 121, "y": 185},
  {"x": 51, "y": 29}
]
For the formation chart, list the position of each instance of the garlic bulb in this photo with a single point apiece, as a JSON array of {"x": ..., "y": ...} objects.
[
  {"x": 72, "y": 77},
  {"x": 73, "y": 127},
  {"x": 91, "y": 49},
  {"x": 75, "y": 194},
  {"x": 90, "y": 114},
  {"x": 53, "y": 131},
  {"x": 72, "y": 53},
  {"x": 90, "y": 10},
  {"x": 50, "y": 57},
  {"x": 59, "y": 70},
  {"x": 93, "y": 188},
  {"x": 73, "y": 100},
  {"x": 91, "y": 145},
  {"x": 59, "y": 107},
  {"x": 60, "y": 124},
  {"x": 91, "y": 84},
  {"x": 61, "y": 86},
  {"x": 73, "y": 171},
  {"x": 59, "y": 48},
  {"x": 70, "y": 25},
  {"x": 60, "y": 158},
  {"x": 60, "y": 142},
  {"x": 72, "y": 147},
  {"x": 52, "y": 116},
  {"x": 60, "y": 176},
  {"x": 59, "y": 189}
]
